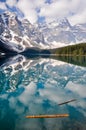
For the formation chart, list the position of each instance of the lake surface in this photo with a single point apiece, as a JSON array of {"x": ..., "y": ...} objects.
[{"x": 34, "y": 86}]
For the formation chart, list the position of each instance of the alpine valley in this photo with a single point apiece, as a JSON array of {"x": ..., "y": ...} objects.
[{"x": 18, "y": 35}]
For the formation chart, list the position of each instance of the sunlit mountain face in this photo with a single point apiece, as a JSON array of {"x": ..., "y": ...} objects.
[
  {"x": 18, "y": 35},
  {"x": 31, "y": 86}
]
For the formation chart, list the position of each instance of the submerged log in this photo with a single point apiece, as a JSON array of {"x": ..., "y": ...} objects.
[
  {"x": 48, "y": 116},
  {"x": 67, "y": 102}
]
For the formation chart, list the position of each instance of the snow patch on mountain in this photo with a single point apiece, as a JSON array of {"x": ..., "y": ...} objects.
[
  {"x": 61, "y": 33},
  {"x": 19, "y": 35}
]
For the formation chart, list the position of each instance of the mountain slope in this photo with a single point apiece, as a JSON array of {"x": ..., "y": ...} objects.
[
  {"x": 19, "y": 35},
  {"x": 60, "y": 33}
]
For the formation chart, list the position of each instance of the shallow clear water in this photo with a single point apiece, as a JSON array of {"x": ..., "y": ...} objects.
[{"x": 37, "y": 86}]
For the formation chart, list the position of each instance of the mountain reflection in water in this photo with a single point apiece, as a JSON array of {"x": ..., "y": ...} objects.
[{"x": 33, "y": 86}]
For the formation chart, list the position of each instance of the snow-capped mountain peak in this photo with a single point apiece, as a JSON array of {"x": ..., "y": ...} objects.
[
  {"x": 61, "y": 33},
  {"x": 64, "y": 22},
  {"x": 19, "y": 35}
]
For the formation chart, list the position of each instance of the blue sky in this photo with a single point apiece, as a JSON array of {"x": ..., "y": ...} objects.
[
  {"x": 3, "y": 0},
  {"x": 48, "y": 10}
]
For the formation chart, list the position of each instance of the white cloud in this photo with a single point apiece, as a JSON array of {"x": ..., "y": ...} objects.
[
  {"x": 74, "y": 10},
  {"x": 52, "y": 10},
  {"x": 29, "y": 9},
  {"x": 11, "y": 2},
  {"x": 78, "y": 18},
  {"x": 2, "y": 5}
]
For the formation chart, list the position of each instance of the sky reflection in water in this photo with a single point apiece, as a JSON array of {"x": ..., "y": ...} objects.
[{"x": 37, "y": 86}]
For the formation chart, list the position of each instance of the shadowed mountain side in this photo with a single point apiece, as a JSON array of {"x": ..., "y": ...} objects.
[
  {"x": 5, "y": 48},
  {"x": 28, "y": 52},
  {"x": 35, "y": 51}
]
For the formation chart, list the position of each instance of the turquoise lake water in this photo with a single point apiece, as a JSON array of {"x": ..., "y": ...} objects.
[{"x": 34, "y": 86}]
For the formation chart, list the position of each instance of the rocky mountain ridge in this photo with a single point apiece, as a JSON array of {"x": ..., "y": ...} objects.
[{"x": 19, "y": 35}]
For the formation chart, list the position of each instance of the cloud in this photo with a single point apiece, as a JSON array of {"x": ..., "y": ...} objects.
[
  {"x": 2, "y": 6},
  {"x": 78, "y": 18},
  {"x": 11, "y": 2},
  {"x": 75, "y": 11},
  {"x": 50, "y": 10},
  {"x": 28, "y": 10}
]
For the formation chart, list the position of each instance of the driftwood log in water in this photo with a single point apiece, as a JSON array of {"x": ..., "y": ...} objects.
[
  {"x": 48, "y": 116},
  {"x": 67, "y": 102}
]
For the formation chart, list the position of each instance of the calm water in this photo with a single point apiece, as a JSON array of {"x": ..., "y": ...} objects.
[{"x": 37, "y": 86}]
